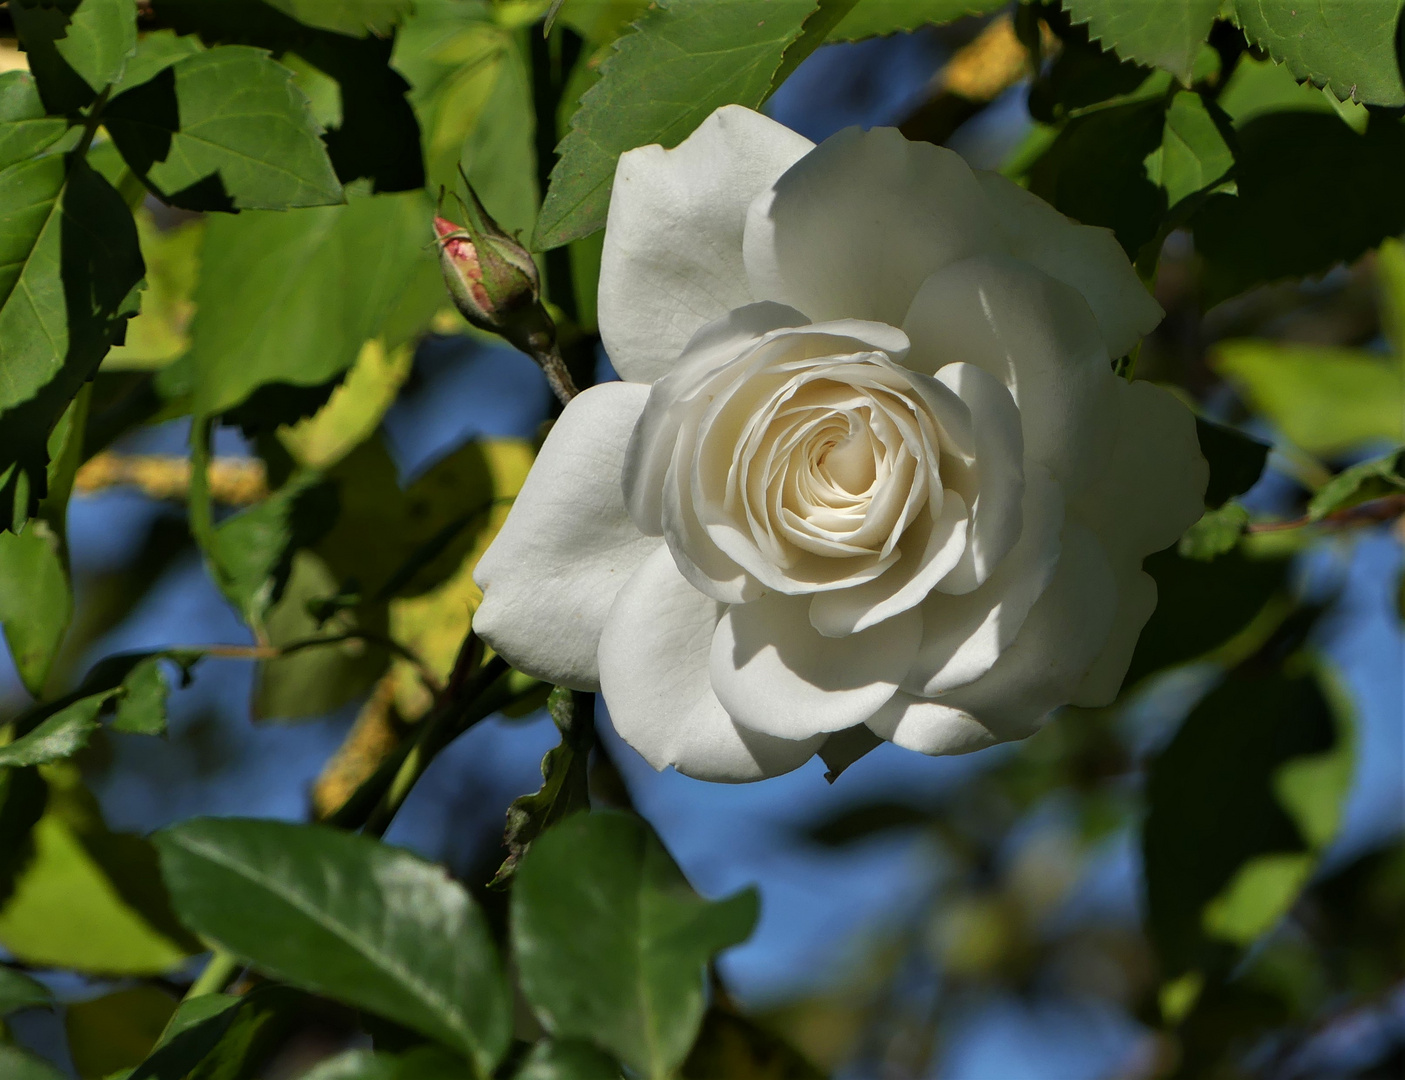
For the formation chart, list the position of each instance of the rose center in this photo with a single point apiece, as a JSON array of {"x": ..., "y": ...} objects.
[{"x": 848, "y": 464}]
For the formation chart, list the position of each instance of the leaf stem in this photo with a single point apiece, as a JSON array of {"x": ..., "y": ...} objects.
[
  {"x": 219, "y": 971},
  {"x": 91, "y": 121}
]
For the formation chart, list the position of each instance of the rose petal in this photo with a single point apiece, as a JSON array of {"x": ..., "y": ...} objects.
[
  {"x": 774, "y": 673},
  {"x": 551, "y": 574},
  {"x": 995, "y": 513},
  {"x": 1038, "y": 337},
  {"x": 929, "y": 727},
  {"x": 964, "y": 635},
  {"x": 1061, "y": 638},
  {"x": 654, "y": 671},
  {"x": 1088, "y": 258},
  {"x": 1136, "y": 600},
  {"x": 672, "y": 259},
  {"x": 930, "y": 552},
  {"x": 855, "y": 226}
]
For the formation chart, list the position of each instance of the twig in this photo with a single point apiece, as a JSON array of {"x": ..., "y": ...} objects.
[
  {"x": 233, "y": 481},
  {"x": 1369, "y": 513}
]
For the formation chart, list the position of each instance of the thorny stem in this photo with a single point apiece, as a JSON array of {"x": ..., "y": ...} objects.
[{"x": 278, "y": 652}]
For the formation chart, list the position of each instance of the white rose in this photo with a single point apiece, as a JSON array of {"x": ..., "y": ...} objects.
[{"x": 869, "y": 463}]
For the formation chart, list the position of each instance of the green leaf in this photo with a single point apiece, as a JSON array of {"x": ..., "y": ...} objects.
[
  {"x": 355, "y": 1065},
  {"x": 1236, "y": 461},
  {"x": 1374, "y": 479},
  {"x": 565, "y": 786},
  {"x": 1194, "y": 155},
  {"x": 61, "y": 735},
  {"x": 355, "y": 17},
  {"x": 70, "y": 263},
  {"x": 611, "y": 942},
  {"x": 1229, "y": 837},
  {"x": 569, "y": 1059},
  {"x": 684, "y": 59},
  {"x": 156, "y": 51},
  {"x": 347, "y": 917},
  {"x": 1202, "y": 606},
  {"x": 874, "y": 18},
  {"x": 251, "y": 552},
  {"x": 313, "y": 682},
  {"x": 1347, "y": 45},
  {"x": 84, "y": 875},
  {"x": 75, "y": 49},
  {"x": 818, "y": 26},
  {"x": 1259, "y": 87},
  {"x": 1095, "y": 171},
  {"x": 18, "y": 991},
  {"x": 196, "y": 1029},
  {"x": 16, "y": 1064},
  {"x": 25, "y": 129},
  {"x": 1217, "y": 532},
  {"x": 291, "y": 298},
  {"x": 1165, "y": 34},
  {"x": 224, "y": 129},
  {"x": 1278, "y": 177},
  {"x": 116, "y": 1031},
  {"x": 36, "y": 602},
  {"x": 141, "y": 708},
  {"x": 23, "y": 797},
  {"x": 1325, "y": 400}
]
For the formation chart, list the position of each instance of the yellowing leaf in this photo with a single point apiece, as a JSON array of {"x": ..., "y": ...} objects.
[
  {"x": 354, "y": 409},
  {"x": 161, "y": 332}
]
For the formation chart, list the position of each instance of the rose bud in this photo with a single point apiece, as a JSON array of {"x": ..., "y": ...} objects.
[{"x": 495, "y": 285}]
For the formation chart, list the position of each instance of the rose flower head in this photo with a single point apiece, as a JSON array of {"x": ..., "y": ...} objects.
[{"x": 869, "y": 463}]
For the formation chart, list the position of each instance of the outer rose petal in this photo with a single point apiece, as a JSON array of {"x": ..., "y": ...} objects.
[
  {"x": 855, "y": 226},
  {"x": 963, "y": 636},
  {"x": 551, "y": 574},
  {"x": 929, "y": 727},
  {"x": 1036, "y": 335},
  {"x": 1060, "y": 640},
  {"x": 1151, "y": 492},
  {"x": 654, "y": 671},
  {"x": 1088, "y": 258},
  {"x": 673, "y": 241},
  {"x": 774, "y": 672}
]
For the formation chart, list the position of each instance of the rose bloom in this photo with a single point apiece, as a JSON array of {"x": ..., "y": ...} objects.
[{"x": 869, "y": 464}]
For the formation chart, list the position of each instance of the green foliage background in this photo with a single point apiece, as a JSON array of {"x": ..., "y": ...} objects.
[{"x": 221, "y": 211}]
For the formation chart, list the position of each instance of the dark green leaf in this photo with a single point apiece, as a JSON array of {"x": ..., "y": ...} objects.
[
  {"x": 872, "y": 18},
  {"x": 70, "y": 263},
  {"x": 569, "y": 1059},
  {"x": 1326, "y": 400},
  {"x": 224, "y": 129},
  {"x": 1194, "y": 155},
  {"x": 61, "y": 735},
  {"x": 1239, "y": 804},
  {"x": 1165, "y": 34},
  {"x": 565, "y": 779},
  {"x": 1279, "y": 179},
  {"x": 347, "y": 917},
  {"x": 611, "y": 942},
  {"x": 1095, "y": 171},
  {"x": 1374, "y": 479},
  {"x": 355, "y": 17},
  {"x": 23, "y": 797},
  {"x": 195, "y": 1030},
  {"x": 75, "y": 49},
  {"x": 867, "y": 820},
  {"x": 1349, "y": 45},
  {"x": 25, "y": 129},
  {"x": 268, "y": 1016},
  {"x": 1236, "y": 460},
  {"x": 684, "y": 59},
  {"x": 355, "y": 1065},
  {"x": 1201, "y": 606},
  {"x": 116, "y": 1031},
  {"x": 19, "y": 991},
  {"x": 16, "y": 1064},
  {"x": 290, "y": 298},
  {"x": 818, "y": 26},
  {"x": 36, "y": 602},
  {"x": 1217, "y": 532}
]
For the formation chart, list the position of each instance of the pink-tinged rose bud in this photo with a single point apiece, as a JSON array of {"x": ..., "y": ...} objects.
[{"x": 492, "y": 278}]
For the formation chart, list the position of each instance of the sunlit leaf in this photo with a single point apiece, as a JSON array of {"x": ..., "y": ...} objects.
[
  {"x": 683, "y": 60},
  {"x": 356, "y": 17},
  {"x": 224, "y": 129},
  {"x": 1165, "y": 34},
  {"x": 569, "y": 1059},
  {"x": 871, "y": 18},
  {"x": 25, "y": 129},
  {"x": 345, "y": 916},
  {"x": 632, "y": 982},
  {"x": 75, "y": 49},
  {"x": 59, "y": 736},
  {"x": 1374, "y": 479}
]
